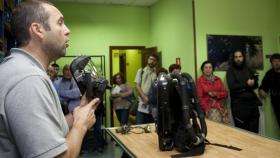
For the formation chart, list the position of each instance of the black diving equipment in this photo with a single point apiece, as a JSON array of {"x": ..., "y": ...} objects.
[
  {"x": 180, "y": 122},
  {"x": 87, "y": 77}
]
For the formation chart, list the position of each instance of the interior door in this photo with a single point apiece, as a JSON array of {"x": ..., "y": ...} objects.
[{"x": 122, "y": 64}]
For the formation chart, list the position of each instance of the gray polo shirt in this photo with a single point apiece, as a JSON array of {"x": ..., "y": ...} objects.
[{"x": 31, "y": 120}]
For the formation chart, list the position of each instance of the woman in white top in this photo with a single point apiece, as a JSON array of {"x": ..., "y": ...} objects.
[{"x": 119, "y": 95}]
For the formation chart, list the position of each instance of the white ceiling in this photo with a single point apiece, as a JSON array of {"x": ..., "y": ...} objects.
[{"x": 142, "y": 3}]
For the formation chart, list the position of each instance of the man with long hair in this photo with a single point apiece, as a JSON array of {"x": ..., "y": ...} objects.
[{"x": 244, "y": 102}]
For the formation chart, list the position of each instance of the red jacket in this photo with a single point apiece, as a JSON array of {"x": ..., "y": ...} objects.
[{"x": 204, "y": 86}]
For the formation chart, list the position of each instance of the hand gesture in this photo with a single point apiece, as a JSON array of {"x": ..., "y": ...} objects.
[
  {"x": 250, "y": 82},
  {"x": 145, "y": 101},
  {"x": 226, "y": 119},
  {"x": 212, "y": 94},
  {"x": 262, "y": 93},
  {"x": 84, "y": 114}
]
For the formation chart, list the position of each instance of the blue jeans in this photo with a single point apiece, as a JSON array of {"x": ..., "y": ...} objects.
[
  {"x": 122, "y": 115},
  {"x": 142, "y": 118}
]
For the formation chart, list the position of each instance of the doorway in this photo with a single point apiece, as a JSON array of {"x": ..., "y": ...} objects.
[{"x": 127, "y": 60}]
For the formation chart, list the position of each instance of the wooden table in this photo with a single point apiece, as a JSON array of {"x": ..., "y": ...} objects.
[{"x": 253, "y": 146}]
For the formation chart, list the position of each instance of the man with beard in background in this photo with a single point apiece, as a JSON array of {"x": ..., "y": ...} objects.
[
  {"x": 144, "y": 79},
  {"x": 244, "y": 102}
]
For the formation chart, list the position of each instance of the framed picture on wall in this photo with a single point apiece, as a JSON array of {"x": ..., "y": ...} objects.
[{"x": 219, "y": 48}]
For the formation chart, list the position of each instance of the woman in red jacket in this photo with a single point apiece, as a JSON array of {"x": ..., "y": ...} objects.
[{"x": 212, "y": 94}]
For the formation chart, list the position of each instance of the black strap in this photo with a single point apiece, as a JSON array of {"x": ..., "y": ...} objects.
[
  {"x": 198, "y": 150},
  {"x": 222, "y": 145}
]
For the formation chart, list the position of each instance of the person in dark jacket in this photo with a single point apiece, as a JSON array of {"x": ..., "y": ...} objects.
[
  {"x": 244, "y": 102},
  {"x": 271, "y": 84}
]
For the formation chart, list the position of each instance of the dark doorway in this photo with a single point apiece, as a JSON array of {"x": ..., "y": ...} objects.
[{"x": 122, "y": 64}]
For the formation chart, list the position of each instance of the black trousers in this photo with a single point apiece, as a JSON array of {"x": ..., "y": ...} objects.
[
  {"x": 64, "y": 107},
  {"x": 246, "y": 116},
  {"x": 276, "y": 107}
]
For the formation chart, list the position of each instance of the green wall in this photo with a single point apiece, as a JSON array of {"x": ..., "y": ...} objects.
[
  {"x": 239, "y": 17},
  {"x": 278, "y": 20},
  {"x": 172, "y": 32},
  {"x": 96, "y": 27}
]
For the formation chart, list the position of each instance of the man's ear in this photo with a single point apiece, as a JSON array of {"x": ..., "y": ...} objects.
[{"x": 37, "y": 30}]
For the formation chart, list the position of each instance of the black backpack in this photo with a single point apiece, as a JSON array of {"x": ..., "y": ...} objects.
[{"x": 180, "y": 120}]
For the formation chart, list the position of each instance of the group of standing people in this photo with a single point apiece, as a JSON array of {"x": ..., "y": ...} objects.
[
  {"x": 211, "y": 92},
  {"x": 242, "y": 83},
  {"x": 241, "y": 80}
]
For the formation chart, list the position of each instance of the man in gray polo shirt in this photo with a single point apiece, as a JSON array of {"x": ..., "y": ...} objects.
[{"x": 31, "y": 120}]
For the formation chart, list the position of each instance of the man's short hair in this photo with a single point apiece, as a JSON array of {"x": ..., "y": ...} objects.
[
  {"x": 55, "y": 66},
  {"x": 161, "y": 70},
  {"x": 26, "y": 13},
  {"x": 173, "y": 67},
  {"x": 274, "y": 56}
]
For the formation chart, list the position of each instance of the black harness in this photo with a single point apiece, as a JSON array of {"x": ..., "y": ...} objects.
[{"x": 180, "y": 120}]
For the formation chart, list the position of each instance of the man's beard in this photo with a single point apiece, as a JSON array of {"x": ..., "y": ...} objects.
[
  {"x": 54, "y": 51},
  {"x": 239, "y": 64},
  {"x": 276, "y": 68},
  {"x": 151, "y": 65}
]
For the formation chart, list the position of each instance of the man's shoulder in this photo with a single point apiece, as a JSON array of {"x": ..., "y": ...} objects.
[
  {"x": 145, "y": 68},
  {"x": 141, "y": 70},
  {"x": 14, "y": 72},
  {"x": 230, "y": 68},
  {"x": 270, "y": 71}
]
